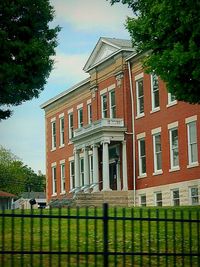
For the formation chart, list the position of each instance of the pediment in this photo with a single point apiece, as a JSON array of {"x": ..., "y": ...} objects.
[{"x": 101, "y": 52}]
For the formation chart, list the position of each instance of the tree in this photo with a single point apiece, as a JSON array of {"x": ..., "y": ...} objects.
[
  {"x": 15, "y": 177},
  {"x": 26, "y": 44},
  {"x": 168, "y": 33}
]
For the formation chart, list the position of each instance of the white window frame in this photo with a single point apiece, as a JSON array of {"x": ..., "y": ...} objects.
[
  {"x": 177, "y": 198},
  {"x": 141, "y": 157},
  {"x": 156, "y": 154},
  {"x": 62, "y": 178},
  {"x": 54, "y": 180},
  {"x": 104, "y": 112},
  {"x": 82, "y": 181},
  {"x": 192, "y": 162},
  {"x": 53, "y": 135},
  {"x": 143, "y": 203},
  {"x": 172, "y": 150},
  {"x": 62, "y": 131},
  {"x": 194, "y": 196},
  {"x": 89, "y": 110},
  {"x": 72, "y": 174},
  {"x": 154, "y": 92},
  {"x": 112, "y": 106},
  {"x": 71, "y": 127},
  {"x": 158, "y": 203},
  {"x": 80, "y": 122},
  {"x": 171, "y": 100},
  {"x": 138, "y": 103}
]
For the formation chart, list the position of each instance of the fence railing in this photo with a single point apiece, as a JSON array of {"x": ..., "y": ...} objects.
[{"x": 100, "y": 237}]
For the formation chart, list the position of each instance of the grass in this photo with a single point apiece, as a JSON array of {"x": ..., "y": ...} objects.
[{"x": 61, "y": 234}]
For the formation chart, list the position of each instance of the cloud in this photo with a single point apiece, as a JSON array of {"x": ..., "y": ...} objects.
[
  {"x": 92, "y": 15},
  {"x": 68, "y": 68}
]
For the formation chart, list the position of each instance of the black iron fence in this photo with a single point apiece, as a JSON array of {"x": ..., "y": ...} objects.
[{"x": 100, "y": 237}]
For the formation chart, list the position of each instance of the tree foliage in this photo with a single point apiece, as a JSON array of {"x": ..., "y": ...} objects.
[
  {"x": 15, "y": 177},
  {"x": 170, "y": 31},
  {"x": 27, "y": 44}
]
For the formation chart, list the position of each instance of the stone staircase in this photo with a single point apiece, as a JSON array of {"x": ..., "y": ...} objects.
[{"x": 96, "y": 199}]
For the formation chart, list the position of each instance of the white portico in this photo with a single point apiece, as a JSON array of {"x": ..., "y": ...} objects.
[{"x": 104, "y": 141}]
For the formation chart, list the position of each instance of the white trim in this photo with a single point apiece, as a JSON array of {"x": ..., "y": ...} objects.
[
  {"x": 174, "y": 169},
  {"x": 111, "y": 87},
  {"x": 89, "y": 101},
  {"x": 62, "y": 161},
  {"x": 153, "y": 93},
  {"x": 71, "y": 158},
  {"x": 53, "y": 164},
  {"x": 191, "y": 119},
  {"x": 70, "y": 110},
  {"x": 155, "y": 153},
  {"x": 141, "y": 135},
  {"x": 139, "y": 76},
  {"x": 102, "y": 92},
  {"x": 111, "y": 107},
  {"x": 61, "y": 115},
  {"x": 79, "y": 106},
  {"x": 193, "y": 165},
  {"x": 156, "y": 130},
  {"x": 172, "y": 125},
  {"x": 53, "y": 119},
  {"x": 190, "y": 143}
]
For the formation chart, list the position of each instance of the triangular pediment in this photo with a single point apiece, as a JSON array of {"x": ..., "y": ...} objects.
[{"x": 102, "y": 51}]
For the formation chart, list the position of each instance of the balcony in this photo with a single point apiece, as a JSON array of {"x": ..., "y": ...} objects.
[{"x": 100, "y": 124}]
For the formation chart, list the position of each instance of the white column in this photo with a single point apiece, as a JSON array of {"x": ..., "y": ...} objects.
[
  {"x": 106, "y": 175},
  {"x": 86, "y": 166},
  {"x": 95, "y": 167},
  {"x": 124, "y": 166},
  {"x": 77, "y": 168}
]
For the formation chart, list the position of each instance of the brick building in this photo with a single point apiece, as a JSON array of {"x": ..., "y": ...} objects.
[{"x": 121, "y": 131}]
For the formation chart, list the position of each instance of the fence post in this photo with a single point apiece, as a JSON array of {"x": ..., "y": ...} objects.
[{"x": 105, "y": 234}]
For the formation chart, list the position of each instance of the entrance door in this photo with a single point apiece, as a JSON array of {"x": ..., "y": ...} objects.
[{"x": 113, "y": 176}]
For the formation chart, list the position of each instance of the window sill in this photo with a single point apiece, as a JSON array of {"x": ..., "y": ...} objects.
[
  {"x": 53, "y": 149},
  {"x": 174, "y": 169},
  {"x": 142, "y": 176},
  {"x": 54, "y": 195},
  {"x": 171, "y": 104},
  {"x": 139, "y": 116},
  {"x": 158, "y": 172},
  {"x": 155, "y": 110},
  {"x": 63, "y": 193},
  {"x": 69, "y": 143},
  {"x": 193, "y": 165},
  {"x": 61, "y": 146}
]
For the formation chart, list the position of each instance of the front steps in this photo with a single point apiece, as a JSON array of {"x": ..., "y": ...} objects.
[{"x": 113, "y": 198}]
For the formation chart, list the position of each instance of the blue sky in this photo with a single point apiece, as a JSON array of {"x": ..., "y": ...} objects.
[{"x": 83, "y": 22}]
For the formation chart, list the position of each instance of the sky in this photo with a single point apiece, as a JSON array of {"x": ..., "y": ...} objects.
[{"x": 83, "y": 22}]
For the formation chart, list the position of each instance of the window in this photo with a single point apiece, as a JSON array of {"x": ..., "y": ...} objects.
[
  {"x": 53, "y": 134},
  {"x": 80, "y": 117},
  {"x": 71, "y": 126},
  {"x": 72, "y": 174},
  {"x": 112, "y": 105},
  {"x": 91, "y": 168},
  {"x": 175, "y": 197},
  {"x": 54, "y": 182},
  {"x": 143, "y": 200},
  {"x": 89, "y": 109},
  {"x": 174, "y": 153},
  {"x": 82, "y": 171},
  {"x": 171, "y": 99},
  {"x": 142, "y": 157},
  {"x": 154, "y": 91},
  {"x": 62, "y": 127},
  {"x": 194, "y": 196},
  {"x": 157, "y": 152},
  {"x": 140, "y": 97},
  {"x": 62, "y": 177},
  {"x": 192, "y": 143},
  {"x": 158, "y": 199},
  {"x": 104, "y": 108}
]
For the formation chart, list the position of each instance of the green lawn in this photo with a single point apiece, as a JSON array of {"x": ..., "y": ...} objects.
[{"x": 130, "y": 236}]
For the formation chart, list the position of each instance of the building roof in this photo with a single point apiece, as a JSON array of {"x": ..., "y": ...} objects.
[
  {"x": 6, "y": 194},
  {"x": 30, "y": 195}
]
